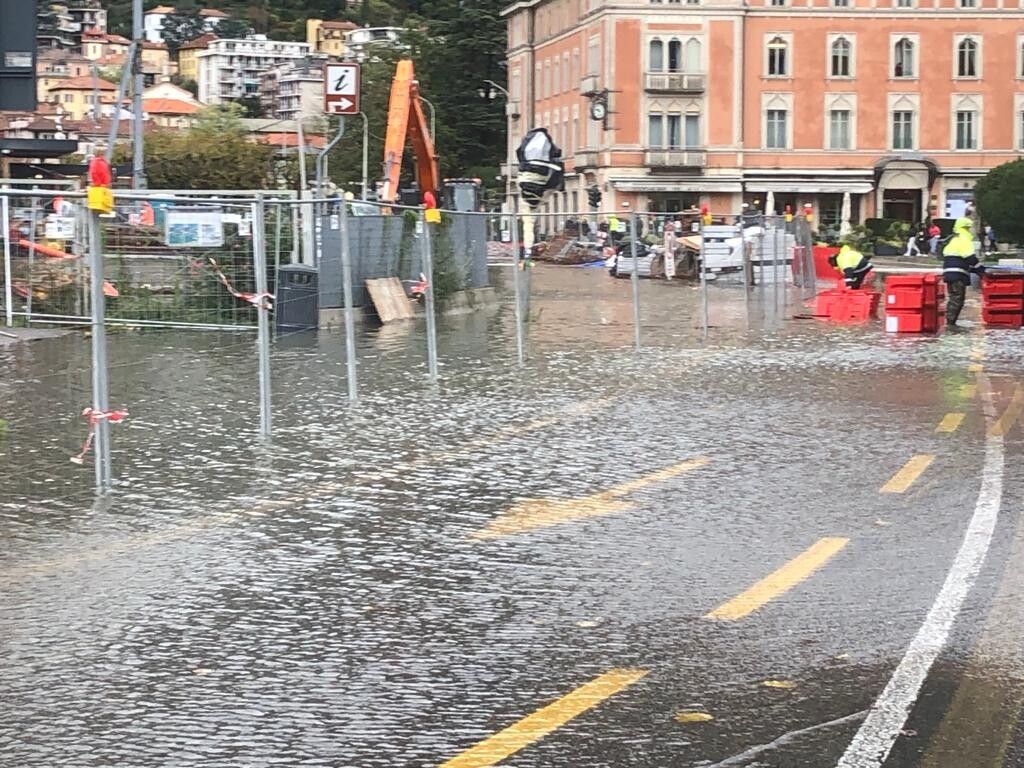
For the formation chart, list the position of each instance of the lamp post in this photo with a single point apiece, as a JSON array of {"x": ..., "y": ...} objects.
[
  {"x": 433, "y": 121},
  {"x": 489, "y": 94},
  {"x": 366, "y": 148}
]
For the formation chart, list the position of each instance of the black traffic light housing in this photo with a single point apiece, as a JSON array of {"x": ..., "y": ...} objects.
[{"x": 594, "y": 196}]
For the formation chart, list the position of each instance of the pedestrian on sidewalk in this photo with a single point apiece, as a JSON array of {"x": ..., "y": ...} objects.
[
  {"x": 934, "y": 233},
  {"x": 959, "y": 262},
  {"x": 912, "y": 247}
]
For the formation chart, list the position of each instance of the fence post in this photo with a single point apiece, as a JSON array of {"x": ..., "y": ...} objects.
[
  {"x": 259, "y": 254},
  {"x": 703, "y": 281},
  {"x": 5, "y": 221},
  {"x": 635, "y": 281},
  {"x": 100, "y": 401},
  {"x": 346, "y": 285},
  {"x": 428, "y": 272},
  {"x": 31, "y": 259},
  {"x": 517, "y": 288}
]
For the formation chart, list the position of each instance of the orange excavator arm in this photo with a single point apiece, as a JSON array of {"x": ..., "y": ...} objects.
[{"x": 407, "y": 121}]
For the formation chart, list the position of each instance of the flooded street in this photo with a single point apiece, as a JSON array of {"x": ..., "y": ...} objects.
[{"x": 767, "y": 548}]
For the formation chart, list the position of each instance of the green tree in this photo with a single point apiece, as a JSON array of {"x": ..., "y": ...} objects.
[
  {"x": 180, "y": 27},
  {"x": 999, "y": 195},
  {"x": 233, "y": 28},
  {"x": 217, "y": 153},
  {"x": 251, "y": 106}
]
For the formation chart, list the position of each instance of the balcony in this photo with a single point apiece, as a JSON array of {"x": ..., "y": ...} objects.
[
  {"x": 675, "y": 82},
  {"x": 589, "y": 84},
  {"x": 675, "y": 158},
  {"x": 585, "y": 158}
]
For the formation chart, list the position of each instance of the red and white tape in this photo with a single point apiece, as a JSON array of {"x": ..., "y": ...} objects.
[
  {"x": 258, "y": 300},
  {"x": 95, "y": 417}
]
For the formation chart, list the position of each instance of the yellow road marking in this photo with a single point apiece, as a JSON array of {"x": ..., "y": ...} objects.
[
  {"x": 1005, "y": 422},
  {"x": 545, "y": 720},
  {"x": 951, "y": 422},
  {"x": 781, "y": 581},
  {"x": 912, "y": 470},
  {"x": 968, "y": 390},
  {"x": 694, "y": 717},
  {"x": 975, "y": 368},
  {"x": 530, "y": 514}
]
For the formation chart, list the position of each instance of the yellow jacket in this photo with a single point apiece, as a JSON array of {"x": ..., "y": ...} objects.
[
  {"x": 962, "y": 242},
  {"x": 848, "y": 258}
]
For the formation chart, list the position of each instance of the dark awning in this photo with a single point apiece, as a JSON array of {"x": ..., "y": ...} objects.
[{"x": 37, "y": 147}]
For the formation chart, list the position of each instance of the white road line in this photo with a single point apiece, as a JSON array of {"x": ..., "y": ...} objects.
[{"x": 879, "y": 731}]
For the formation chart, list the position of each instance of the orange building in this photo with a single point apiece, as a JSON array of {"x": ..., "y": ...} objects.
[{"x": 900, "y": 104}]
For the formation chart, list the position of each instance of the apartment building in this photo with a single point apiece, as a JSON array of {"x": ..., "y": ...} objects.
[
  {"x": 230, "y": 69},
  {"x": 900, "y": 104},
  {"x": 294, "y": 90},
  {"x": 328, "y": 36},
  {"x": 153, "y": 21}
]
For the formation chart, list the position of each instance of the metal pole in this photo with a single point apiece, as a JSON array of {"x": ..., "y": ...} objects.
[
  {"x": 138, "y": 140},
  {"x": 259, "y": 256},
  {"x": 122, "y": 88},
  {"x": 346, "y": 284},
  {"x": 31, "y": 260},
  {"x": 366, "y": 151},
  {"x": 100, "y": 402},
  {"x": 634, "y": 234},
  {"x": 428, "y": 271},
  {"x": 321, "y": 162},
  {"x": 703, "y": 281},
  {"x": 5, "y": 215},
  {"x": 775, "y": 268},
  {"x": 517, "y": 288}
]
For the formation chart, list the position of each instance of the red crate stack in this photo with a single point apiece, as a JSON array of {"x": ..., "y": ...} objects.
[
  {"x": 914, "y": 303},
  {"x": 1002, "y": 298}
]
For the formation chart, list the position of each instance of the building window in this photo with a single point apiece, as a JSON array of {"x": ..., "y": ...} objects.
[
  {"x": 840, "y": 61},
  {"x": 675, "y": 56},
  {"x": 776, "y": 133},
  {"x": 966, "y": 129},
  {"x": 1020, "y": 128},
  {"x": 967, "y": 58},
  {"x": 656, "y": 56},
  {"x": 691, "y": 130},
  {"x": 691, "y": 58},
  {"x": 841, "y": 3},
  {"x": 903, "y": 62},
  {"x": 655, "y": 133},
  {"x": 777, "y": 2},
  {"x": 903, "y": 129},
  {"x": 594, "y": 56},
  {"x": 968, "y": 3},
  {"x": 673, "y": 125},
  {"x": 778, "y": 64},
  {"x": 839, "y": 129},
  {"x": 556, "y": 79},
  {"x": 903, "y": 3}
]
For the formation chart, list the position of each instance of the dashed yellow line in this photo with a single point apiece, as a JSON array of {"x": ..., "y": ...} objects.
[
  {"x": 968, "y": 391},
  {"x": 975, "y": 368},
  {"x": 545, "y": 720},
  {"x": 950, "y": 422},
  {"x": 779, "y": 582},
  {"x": 910, "y": 471},
  {"x": 1005, "y": 423}
]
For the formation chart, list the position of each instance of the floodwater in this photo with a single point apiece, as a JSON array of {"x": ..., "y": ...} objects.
[{"x": 370, "y": 588}]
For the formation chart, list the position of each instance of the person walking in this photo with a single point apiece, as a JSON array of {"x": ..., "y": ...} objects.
[
  {"x": 912, "y": 247},
  {"x": 934, "y": 233},
  {"x": 853, "y": 264},
  {"x": 959, "y": 262}
]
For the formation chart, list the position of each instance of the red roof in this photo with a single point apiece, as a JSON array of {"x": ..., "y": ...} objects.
[
  {"x": 168, "y": 107},
  {"x": 290, "y": 140},
  {"x": 213, "y": 13},
  {"x": 200, "y": 42},
  {"x": 84, "y": 83}
]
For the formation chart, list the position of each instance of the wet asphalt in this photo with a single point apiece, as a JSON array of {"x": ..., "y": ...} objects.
[{"x": 322, "y": 600}]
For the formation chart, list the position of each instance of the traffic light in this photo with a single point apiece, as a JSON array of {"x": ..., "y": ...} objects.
[{"x": 594, "y": 196}]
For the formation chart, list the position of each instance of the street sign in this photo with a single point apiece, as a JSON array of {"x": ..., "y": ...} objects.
[{"x": 341, "y": 89}]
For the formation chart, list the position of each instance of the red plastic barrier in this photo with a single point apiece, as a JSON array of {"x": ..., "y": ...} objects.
[
  {"x": 914, "y": 303},
  {"x": 821, "y": 255}
]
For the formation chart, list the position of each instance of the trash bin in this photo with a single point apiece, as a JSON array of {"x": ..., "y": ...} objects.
[{"x": 297, "y": 304}]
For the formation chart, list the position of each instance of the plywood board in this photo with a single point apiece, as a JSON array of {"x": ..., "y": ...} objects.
[{"x": 389, "y": 299}]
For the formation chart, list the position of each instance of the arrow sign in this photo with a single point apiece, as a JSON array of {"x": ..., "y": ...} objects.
[
  {"x": 341, "y": 88},
  {"x": 531, "y": 514}
]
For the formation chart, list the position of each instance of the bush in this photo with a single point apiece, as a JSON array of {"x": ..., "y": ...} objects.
[{"x": 999, "y": 196}]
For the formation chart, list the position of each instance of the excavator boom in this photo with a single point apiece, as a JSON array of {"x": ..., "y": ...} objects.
[{"x": 407, "y": 122}]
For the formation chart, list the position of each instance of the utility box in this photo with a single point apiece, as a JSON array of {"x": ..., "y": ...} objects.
[
  {"x": 18, "y": 55},
  {"x": 297, "y": 303}
]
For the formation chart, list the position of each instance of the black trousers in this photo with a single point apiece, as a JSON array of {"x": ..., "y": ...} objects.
[{"x": 956, "y": 296}]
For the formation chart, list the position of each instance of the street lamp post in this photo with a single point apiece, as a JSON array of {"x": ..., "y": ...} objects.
[
  {"x": 366, "y": 149},
  {"x": 433, "y": 121},
  {"x": 489, "y": 93}
]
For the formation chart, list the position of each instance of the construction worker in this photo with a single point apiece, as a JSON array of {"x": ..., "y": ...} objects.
[
  {"x": 853, "y": 264},
  {"x": 959, "y": 262}
]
